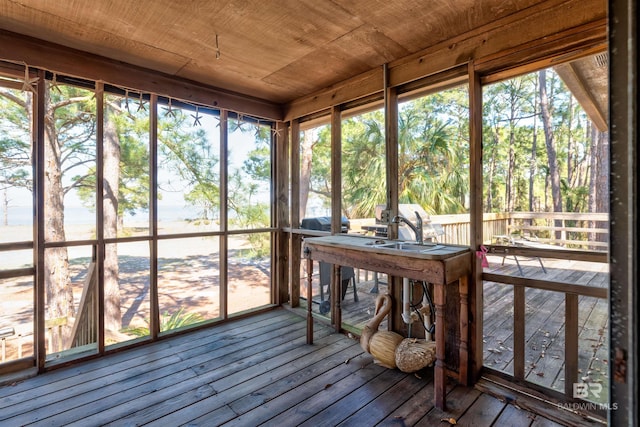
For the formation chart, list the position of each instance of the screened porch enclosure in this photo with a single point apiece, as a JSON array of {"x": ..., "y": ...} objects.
[
  {"x": 158, "y": 192},
  {"x": 133, "y": 216},
  {"x": 544, "y": 223}
]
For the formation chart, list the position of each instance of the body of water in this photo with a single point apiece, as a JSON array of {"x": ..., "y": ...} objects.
[{"x": 23, "y": 215}]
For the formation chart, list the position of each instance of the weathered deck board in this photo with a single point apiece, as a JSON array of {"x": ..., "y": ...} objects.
[
  {"x": 254, "y": 371},
  {"x": 458, "y": 401},
  {"x": 484, "y": 411},
  {"x": 96, "y": 395},
  {"x": 543, "y": 422},
  {"x": 512, "y": 416},
  {"x": 411, "y": 411},
  {"x": 532, "y": 403},
  {"x": 386, "y": 402}
]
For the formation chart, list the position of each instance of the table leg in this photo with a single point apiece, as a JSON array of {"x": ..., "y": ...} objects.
[
  {"x": 336, "y": 297},
  {"x": 463, "y": 287},
  {"x": 374, "y": 290},
  {"x": 439, "y": 370},
  {"x": 309, "y": 301}
]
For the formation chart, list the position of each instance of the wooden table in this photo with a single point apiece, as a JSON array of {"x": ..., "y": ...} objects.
[{"x": 440, "y": 265}]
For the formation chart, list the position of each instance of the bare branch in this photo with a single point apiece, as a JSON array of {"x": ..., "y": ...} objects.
[{"x": 15, "y": 99}]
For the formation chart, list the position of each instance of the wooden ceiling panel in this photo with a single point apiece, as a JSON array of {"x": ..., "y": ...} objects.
[
  {"x": 315, "y": 71},
  {"x": 263, "y": 37},
  {"x": 356, "y": 52},
  {"x": 416, "y": 24},
  {"x": 277, "y": 50},
  {"x": 283, "y": 39},
  {"x": 82, "y": 26},
  {"x": 587, "y": 79}
]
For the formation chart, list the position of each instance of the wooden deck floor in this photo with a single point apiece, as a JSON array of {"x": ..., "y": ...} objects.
[{"x": 254, "y": 371}]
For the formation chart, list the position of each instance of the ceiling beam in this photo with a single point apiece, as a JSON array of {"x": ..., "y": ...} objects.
[{"x": 56, "y": 58}]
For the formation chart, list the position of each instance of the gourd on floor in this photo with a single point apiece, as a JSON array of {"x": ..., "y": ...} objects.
[{"x": 390, "y": 349}]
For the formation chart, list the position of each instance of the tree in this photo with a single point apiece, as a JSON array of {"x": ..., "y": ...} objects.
[
  {"x": 126, "y": 189},
  {"x": 249, "y": 192},
  {"x": 306, "y": 155},
  {"x": 554, "y": 170},
  {"x": 433, "y": 156},
  {"x": 69, "y": 145},
  {"x": 125, "y": 161},
  {"x": 534, "y": 147},
  {"x": 15, "y": 144},
  {"x": 561, "y": 172},
  {"x": 509, "y": 107},
  {"x": 363, "y": 164},
  {"x": 70, "y": 163},
  {"x": 320, "y": 167},
  {"x": 185, "y": 152},
  {"x": 111, "y": 178},
  {"x": 435, "y": 129}
]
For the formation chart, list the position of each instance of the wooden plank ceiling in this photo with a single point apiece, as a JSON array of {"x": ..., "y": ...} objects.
[{"x": 278, "y": 50}]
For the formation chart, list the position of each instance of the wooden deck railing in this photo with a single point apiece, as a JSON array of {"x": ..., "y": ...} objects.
[
  {"x": 570, "y": 286},
  {"x": 565, "y": 229},
  {"x": 570, "y": 236},
  {"x": 572, "y": 294},
  {"x": 85, "y": 326}
]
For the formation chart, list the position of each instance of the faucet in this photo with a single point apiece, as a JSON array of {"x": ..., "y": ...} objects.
[{"x": 416, "y": 229}]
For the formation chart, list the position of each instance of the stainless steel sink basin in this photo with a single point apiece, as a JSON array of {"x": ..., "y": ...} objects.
[{"x": 405, "y": 246}]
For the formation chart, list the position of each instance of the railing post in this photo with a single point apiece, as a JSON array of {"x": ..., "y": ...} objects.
[
  {"x": 570, "y": 343},
  {"x": 518, "y": 331}
]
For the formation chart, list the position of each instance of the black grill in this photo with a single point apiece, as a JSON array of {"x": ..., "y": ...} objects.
[{"x": 323, "y": 223}]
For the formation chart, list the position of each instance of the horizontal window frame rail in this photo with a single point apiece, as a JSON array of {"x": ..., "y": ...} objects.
[
  {"x": 306, "y": 232},
  {"x": 17, "y": 272},
  {"x": 15, "y": 246},
  {"x": 251, "y": 231},
  {"x": 132, "y": 239}
]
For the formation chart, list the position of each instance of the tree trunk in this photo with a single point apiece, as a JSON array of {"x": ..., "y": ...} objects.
[
  {"x": 5, "y": 207},
  {"x": 59, "y": 294},
  {"x": 111, "y": 172},
  {"x": 511, "y": 179},
  {"x": 532, "y": 162},
  {"x": 510, "y": 193},
  {"x": 490, "y": 173},
  {"x": 554, "y": 172},
  {"x": 570, "y": 146},
  {"x": 593, "y": 177},
  {"x": 306, "y": 156},
  {"x": 602, "y": 186}
]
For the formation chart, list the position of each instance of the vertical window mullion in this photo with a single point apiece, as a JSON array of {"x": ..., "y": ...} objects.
[
  {"x": 39, "y": 303},
  {"x": 224, "y": 206},
  {"x": 154, "y": 324},
  {"x": 99, "y": 249}
]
